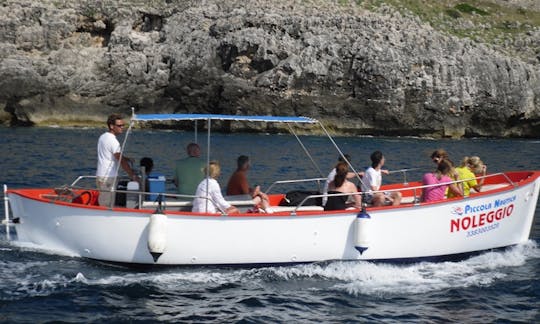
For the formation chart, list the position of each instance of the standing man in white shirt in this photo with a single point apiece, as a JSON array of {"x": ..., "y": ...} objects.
[
  {"x": 373, "y": 180},
  {"x": 108, "y": 156}
]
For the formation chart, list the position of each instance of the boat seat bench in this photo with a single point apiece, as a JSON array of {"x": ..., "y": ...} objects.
[
  {"x": 278, "y": 209},
  {"x": 241, "y": 204},
  {"x": 488, "y": 187},
  {"x": 186, "y": 205}
]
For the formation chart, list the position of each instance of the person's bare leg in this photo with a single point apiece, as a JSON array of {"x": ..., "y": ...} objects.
[
  {"x": 378, "y": 199},
  {"x": 396, "y": 196}
]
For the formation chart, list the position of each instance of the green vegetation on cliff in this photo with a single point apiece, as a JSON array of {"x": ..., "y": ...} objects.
[{"x": 502, "y": 23}]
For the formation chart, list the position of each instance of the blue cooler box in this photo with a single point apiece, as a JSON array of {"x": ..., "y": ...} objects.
[{"x": 156, "y": 183}]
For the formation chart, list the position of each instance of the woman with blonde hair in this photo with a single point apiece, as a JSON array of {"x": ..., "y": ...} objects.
[
  {"x": 470, "y": 168},
  {"x": 208, "y": 195}
]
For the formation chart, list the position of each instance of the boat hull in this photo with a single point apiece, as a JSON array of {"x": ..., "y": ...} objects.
[
  {"x": 121, "y": 236},
  {"x": 408, "y": 232},
  {"x": 463, "y": 226}
]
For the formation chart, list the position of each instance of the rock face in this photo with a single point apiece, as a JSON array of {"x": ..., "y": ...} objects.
[{"x": 360, "y": 72}]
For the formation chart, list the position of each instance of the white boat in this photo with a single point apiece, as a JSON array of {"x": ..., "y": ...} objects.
[{"x": 69, "y": 221}]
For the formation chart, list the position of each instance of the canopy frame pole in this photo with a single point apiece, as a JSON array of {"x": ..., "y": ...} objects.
[
  {"x": 342, "y": 155},
  {"x": 208, "y": 132},
  {"x": 196, "y": 139},
  {"x": 305, "y": 150}
]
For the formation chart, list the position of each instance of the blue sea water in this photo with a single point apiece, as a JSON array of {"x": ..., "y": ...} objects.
[{"x": 40, "y": 286}]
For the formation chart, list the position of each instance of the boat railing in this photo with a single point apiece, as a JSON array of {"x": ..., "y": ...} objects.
[
  {"x": 507, "y": 178},
  {"x": 404, "y": 173},
  {"x": 417, "y": 190},
  {"x": 79, "y": 178},
  {"x": 184, "y": 200},
  {"x": 297, "y": 207},
  {"x": 180, "y": 200},
  {"x": 318, "y": 180}
]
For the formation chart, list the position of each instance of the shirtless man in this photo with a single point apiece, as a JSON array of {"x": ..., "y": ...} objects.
[{"x": 238, "y": 184}]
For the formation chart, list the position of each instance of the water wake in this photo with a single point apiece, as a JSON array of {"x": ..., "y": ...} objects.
[{"x": 30, "y": 278}]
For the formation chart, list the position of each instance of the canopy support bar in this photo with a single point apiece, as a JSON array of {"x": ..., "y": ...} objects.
[
  {"x": 341, "y": 154},
  {"x": 207, "y": 175},
  {"x": 305, "y": 150}
]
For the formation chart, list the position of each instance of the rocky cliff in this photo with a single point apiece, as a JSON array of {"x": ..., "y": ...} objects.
[{"x": 360, "y": 71}]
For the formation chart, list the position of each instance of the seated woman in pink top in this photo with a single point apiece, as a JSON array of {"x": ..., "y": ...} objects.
[{"x": 440, "y": 176}]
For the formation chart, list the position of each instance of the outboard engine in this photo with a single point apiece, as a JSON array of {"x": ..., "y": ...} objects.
[{"x": 362, "y": 231}]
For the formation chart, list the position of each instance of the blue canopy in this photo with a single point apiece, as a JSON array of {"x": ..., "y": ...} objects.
[{"x": 179, "y": 117}]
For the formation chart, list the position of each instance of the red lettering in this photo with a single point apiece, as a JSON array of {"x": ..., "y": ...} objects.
[
  {"x": 499, "y": 214},
  {"x": 472, "y": 221},
  {"x": 454, "y": 225},
  {"x": 482, "y": 220},
  {"x": 509, "y": 210},
  {"x": 466, "y": 222},
  {"x": 490, "y": 216}
]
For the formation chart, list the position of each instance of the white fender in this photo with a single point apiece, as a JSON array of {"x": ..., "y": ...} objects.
[
  {"x": 361, "y": 242},
  {"x": 157, "y": 235}
]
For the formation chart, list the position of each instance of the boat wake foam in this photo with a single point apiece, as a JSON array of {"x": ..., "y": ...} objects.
[{"x": 27, "y": 277}]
